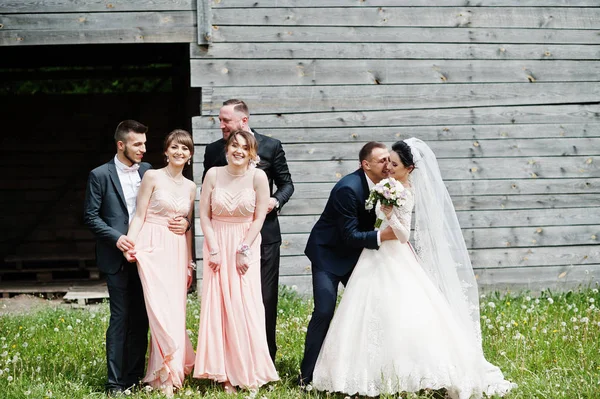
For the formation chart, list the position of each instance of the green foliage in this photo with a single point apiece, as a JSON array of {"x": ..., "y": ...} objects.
[{"x": 549, "y": 345}]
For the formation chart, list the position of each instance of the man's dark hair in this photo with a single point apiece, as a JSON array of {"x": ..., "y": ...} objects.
[
  {"x": 367, "y": 150},
  {"x": 239, "y": 106},
  {"x": 127, "y": 126}
]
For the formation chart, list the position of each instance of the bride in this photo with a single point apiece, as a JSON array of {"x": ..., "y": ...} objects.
[{"x": 409, "y": 322}]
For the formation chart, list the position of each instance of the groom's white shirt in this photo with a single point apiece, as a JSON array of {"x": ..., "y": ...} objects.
[{"x": 370, "y": 184}]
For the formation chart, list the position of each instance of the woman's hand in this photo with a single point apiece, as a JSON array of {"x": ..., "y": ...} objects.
[
  {"x": 387, "y": 210},
  {"x": 130, "y": 256},
  {"x": 241, "y": 263},
  {"x": 214, "y": 262}
]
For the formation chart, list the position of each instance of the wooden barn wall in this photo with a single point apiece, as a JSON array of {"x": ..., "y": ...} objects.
[
  {"x": 47, "y": 22},
  {"x": 506, "y": 92}
]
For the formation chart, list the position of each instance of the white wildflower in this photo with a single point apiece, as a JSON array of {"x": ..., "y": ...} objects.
[
  {"x": 592, "y": 300},
  {"x": 575, "y": 327},
  {"x": 55, "y": 329},
  {"x": 544, "y": 331},
  {"x": 501, "y": 328},
  {"x": 584, "y": 320},
  {"x": 492, "y": 305},
  {"x": 523, "y": 306},
  {"x": 127, "y": 392},
  {"x": 9, "y": 378},
  {"x": 4, "y": 354},
  {"x": 551, "y": 301},
  {"x": 25, "y": 345},
  {"x": 77, "y": 321},
  {"x": 69, "y": 327},
  {"x": 27, "y": 392},
  {"x": 573, "y": 319},
  {"x": 563, "y": 324},
  {"x": 528, "y": 298},
  {"x": 595, "y": 290},
  {"x": 537, "y": 301}
]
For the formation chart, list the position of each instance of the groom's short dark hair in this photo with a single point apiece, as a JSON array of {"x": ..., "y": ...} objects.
[{"x": 367, "y": 150}]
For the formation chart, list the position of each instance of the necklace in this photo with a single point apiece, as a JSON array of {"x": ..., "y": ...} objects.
[
  {"x": 233, "y": 174},
  {"x": 180, "y": 181}
]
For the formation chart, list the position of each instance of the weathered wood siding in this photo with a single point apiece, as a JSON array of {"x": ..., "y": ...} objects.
[
  {"x": 47, "y": 22},
  {"x": 506, "y": 92}
]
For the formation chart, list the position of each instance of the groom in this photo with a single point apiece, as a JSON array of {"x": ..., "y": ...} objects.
[{"x": 344, "y": 229}]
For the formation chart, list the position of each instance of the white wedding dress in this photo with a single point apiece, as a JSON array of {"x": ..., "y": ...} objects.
[{"x": 394, "y": 332}]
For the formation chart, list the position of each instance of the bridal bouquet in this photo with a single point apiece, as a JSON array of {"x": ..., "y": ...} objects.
[{"x": 387, "y": 192}]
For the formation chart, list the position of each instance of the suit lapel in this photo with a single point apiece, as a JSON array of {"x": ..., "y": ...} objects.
[
  {"x": 365, "y": 186},
  {"x": 114, "y": 176}
]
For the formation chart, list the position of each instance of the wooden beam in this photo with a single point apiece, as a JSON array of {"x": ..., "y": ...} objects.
[
  {"x": 68, "y": 6},
  {"x": 96, "y": 21},
  {"x": 398, "y": 50},
  {"x": 240, "y": 73},
  {"x": 370, "y": 34},
  {"x": 464, "y": 17},
  {"x": 287, "y": 99},
  {"x": 450, "y": 149},
  {"x": 513, "y": 115},
  {"x": 205, "y": 27},
  {"x": 395, "y": 3},
  {"x": 428, "y": 133}
]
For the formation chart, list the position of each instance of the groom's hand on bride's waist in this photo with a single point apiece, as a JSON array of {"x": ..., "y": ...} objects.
[{"x": 387, "y": 234}]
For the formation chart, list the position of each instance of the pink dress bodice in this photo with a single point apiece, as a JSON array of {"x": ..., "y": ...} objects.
[
  {"x": 234, "y": 202},
  {"x": 165, "y": 204}
]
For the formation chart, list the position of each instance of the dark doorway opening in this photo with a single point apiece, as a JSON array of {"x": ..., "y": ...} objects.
[{"x": 60, "y": 106}]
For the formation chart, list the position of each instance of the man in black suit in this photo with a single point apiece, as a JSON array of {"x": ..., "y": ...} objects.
[
  {"x": 109, "y": 206},
  {"x": 234, "y": 116},
  {"x": 336, "y": 241}
]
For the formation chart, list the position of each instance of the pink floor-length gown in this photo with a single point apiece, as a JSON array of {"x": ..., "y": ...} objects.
[
  {"x": 162, "y": 258},
  {"x": 232, "y": 343}
]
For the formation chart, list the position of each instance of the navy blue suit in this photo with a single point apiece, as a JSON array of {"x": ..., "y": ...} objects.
[
  {"x": 105, "y": 213},
  {"x": 344, "y": 229}
]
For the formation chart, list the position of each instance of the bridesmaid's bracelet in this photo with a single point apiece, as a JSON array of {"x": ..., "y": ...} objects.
[
  {"x": 244, "y": 249},
  {"x": 192, "y": 265}
]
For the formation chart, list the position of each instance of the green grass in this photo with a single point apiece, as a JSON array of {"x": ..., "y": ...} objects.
[{"x": 548, "y": 344}]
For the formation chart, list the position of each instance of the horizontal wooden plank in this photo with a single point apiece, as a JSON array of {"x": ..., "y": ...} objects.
[
  {"x": 214, "y": 73},
  {"x": 82, "y": 21},
  {"x": 466, "y": 17},
  {"x": 449, "y": 149},
  {"x": 66, "y": 6},
  {"x": 467, "y": 219},
  {"x": 531, "y": 257},
  {"x": 315, "y": 206},
  {"x": 458, "y": 188},
  {"x": 368, "y": 34},
  {"x": 588, "y": 113},
  {"x": 426, "y": 133},
  {"x": 172, "y": 34},
  {"x": 485, "y": 238},
  {"x": 287, "y": 99},
  {"x": 433, "y": 51},
  {"x": 457, "y": 169},
  {"x": 525, "y": 279},
  {"x": 395, "y": 3},
  {"x": 483, "y": 219},
  {"x": 488, "y": 258},
  {"x": 555, "y": 278}
]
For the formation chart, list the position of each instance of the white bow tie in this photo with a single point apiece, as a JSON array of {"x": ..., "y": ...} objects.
[{"x": 131, "y": 169}]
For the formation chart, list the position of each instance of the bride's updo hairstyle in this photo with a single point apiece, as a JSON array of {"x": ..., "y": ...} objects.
[
  {"x": 250, "y": 140},
  {"x": 404, "y": 152}
]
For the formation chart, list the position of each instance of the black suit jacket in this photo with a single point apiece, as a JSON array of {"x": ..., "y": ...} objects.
[
  {"x": 273, "y": 162},
  {"x": 105, "y": 213},
  {"x": 345, "y": 227}
]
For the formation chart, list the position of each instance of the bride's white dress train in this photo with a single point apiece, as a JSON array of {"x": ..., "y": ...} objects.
[{"x": 394, "y": 331}]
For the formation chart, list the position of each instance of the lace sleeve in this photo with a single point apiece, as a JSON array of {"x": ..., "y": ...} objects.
[{"x": 402, "y": 232}]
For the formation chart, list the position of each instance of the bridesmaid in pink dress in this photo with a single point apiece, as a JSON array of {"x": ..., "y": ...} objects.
[
  {"x": 164, "y": 263},
  {"x": 232, "y": 345}
]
